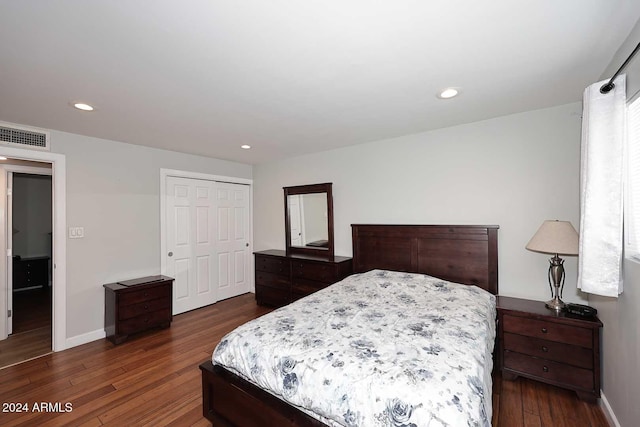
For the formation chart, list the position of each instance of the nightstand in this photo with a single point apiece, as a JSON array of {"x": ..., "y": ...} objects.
[
  {"x": 555, "y": 348},
  {"x": 136, "y": 305}
]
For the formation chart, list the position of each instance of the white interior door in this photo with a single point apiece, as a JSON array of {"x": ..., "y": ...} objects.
[
  {"x": 191, "y": 252},
  {"x": 9, "y": 252},
  {"x": 295, "y": 223},
  {"x": 5, "y": 256},
  {"x": 232, "y": 243}
]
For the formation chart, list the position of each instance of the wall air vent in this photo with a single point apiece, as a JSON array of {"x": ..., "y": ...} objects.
[{"x": 24, "y": 137}]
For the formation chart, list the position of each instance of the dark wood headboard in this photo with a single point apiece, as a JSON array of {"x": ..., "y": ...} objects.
[{"x": 465, "y": 254}]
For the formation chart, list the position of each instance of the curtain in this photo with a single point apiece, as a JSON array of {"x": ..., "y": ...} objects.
[{"x": 601, "y": 174}]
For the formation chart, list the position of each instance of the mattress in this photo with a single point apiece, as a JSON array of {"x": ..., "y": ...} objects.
[{"x": 380, "y": 348}]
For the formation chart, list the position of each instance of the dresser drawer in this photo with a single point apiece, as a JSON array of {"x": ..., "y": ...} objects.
[
  {"x": 145, "y": 321},
  {"x": 272, "y": 296},
  {"x": 304, "y": 287},
  {"x": 309, "y": 270},
  {"x": 272, "y": 265},
  {"x": 272, "y": 280},
  {"x": 548, "y": 370},
  {"x": 564, "y": 353},
  {"x": 133, "y": 310},
  {"x": 144, "y": 294},
  {"x": 548, "y": 330}
]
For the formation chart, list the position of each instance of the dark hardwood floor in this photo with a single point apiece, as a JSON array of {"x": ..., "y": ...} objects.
[
  {"x": 31, "y": 309},
  {"x": 31, "y": 335},
  {"x": 153, "y": 379}
]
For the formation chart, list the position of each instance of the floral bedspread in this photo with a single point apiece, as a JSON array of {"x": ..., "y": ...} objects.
[{"x": 380, "y": 348}]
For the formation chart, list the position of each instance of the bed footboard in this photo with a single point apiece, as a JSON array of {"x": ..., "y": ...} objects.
[{"x": 228, "y": 400}]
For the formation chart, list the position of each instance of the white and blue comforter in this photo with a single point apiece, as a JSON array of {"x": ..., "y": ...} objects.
[{"x": 378, "y": 349}]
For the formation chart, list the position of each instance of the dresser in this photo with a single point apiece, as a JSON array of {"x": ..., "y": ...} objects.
[
  {"x": 137, "y": 305},
  {"x": 31, "y": 271},
  {"x": 559, "y": 349},
  {"x": 281, "y": 279}
]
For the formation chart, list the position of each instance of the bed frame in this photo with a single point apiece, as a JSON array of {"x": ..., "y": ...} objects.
[{"x": 465, "y": 254}]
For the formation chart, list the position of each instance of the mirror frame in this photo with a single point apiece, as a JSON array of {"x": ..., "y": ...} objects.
[{"x": 309, "y": 189}]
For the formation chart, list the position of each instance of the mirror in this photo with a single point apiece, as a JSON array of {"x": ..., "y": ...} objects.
[{"x": 308, "y": 213}]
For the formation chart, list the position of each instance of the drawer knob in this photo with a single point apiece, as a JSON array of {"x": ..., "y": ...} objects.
[
  {"x": 545, "y": 349},
  {"x": 147, "y": 294},
  {"x": 544, "y": 330},
  {"x": 146, "y": 307},
  {"x": 545, "y": 369}
]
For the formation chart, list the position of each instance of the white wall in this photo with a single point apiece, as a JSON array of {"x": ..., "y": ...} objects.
[
  {"x": 621, "y": 316},
  {"x": 113, "y": 192},
  {"x": 32, "y": 215},
  {"x": 514, "y": 171}
]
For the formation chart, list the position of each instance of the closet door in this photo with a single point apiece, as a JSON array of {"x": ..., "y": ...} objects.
[
  {"x": 207, "y": 240},
  {"x": 232, "y": 240},
  {"x": 191, "y": 231}
]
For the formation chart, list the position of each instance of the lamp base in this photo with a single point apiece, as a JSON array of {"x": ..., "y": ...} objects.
[{"x": 555, "y": 304}]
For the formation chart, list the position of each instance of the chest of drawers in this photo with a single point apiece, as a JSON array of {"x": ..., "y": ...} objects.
[
  {"x": 137, "y": 305},
  {"x": 281, "y": 279},
  {"x": 558, "y": 349},
  {"x": 32, "y": 271}
]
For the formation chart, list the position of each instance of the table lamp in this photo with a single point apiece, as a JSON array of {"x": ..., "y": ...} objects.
[{"x": 558, "y": 238}]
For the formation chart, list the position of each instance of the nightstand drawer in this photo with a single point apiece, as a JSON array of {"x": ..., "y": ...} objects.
[
  {"x": 272, "y": 280},
  {"x": 555, "y": 372},
  {"x": 320, "y": 272},
  {"x": 144, "y": 322},
  {"x": 551, "y": 331},
  {"x": 564, "y": 353},
  {"x": 272, "y": 265},
  {"x": 145, "y": 294},
  {"x": 129, "y": 311}
]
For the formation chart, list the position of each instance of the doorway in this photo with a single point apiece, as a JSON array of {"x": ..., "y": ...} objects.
[
  {"x": 28, "y": 225},
  {"x": 57, "y": 163}
]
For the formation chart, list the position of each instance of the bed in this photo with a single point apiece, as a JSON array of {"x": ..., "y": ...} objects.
[{"x": 384, "y": 254}]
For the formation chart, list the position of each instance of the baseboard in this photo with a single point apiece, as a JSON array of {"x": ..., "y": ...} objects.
[
  {"x": 608, "y": 412},
  {"x": 85, "y": 338}
]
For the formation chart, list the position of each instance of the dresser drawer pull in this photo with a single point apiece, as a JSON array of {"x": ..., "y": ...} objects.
[
  {"x": 545, "y": 369},
  {"x": 146, "y": 307},
  {"x": 146, "y": 294},
  {"x": 545, "y": 349},
  {"x": 544, "y": 330}
]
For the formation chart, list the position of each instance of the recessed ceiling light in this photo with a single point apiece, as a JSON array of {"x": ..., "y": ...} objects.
[
  {"x": 3, "y": 158},
  {"x": 449, "y": 92},
  {"x": 245, "y": 146},
  {"x": 82, "y": 106}
]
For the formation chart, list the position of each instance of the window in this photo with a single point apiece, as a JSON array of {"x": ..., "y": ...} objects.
[{"x": 632, "y": 183}]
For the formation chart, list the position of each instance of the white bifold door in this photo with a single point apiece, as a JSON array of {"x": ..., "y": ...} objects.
[{"x": 207, "y": 241}]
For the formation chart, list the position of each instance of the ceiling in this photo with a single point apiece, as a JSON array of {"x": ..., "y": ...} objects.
[{"x": 290, "y": 77}]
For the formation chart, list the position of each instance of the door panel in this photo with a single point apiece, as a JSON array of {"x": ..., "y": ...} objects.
[
  {"x": 181, "y": 283},
  {"x": 204, "y": 274}
]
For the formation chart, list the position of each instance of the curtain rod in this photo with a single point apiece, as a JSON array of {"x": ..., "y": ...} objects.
[{"x": 607, "y": 87}]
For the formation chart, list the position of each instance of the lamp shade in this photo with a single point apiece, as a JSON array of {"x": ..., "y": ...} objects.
[{"x": 555, "y": 237}]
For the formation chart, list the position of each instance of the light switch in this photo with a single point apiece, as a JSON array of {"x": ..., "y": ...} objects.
[{"x": 76, "y": 232}]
